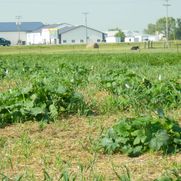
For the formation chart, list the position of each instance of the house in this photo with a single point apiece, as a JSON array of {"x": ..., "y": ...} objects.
[
  {"x": 111, "y": 37},
  {"x": 15, "y": 33},
  {"x": 65, "y": 34}
]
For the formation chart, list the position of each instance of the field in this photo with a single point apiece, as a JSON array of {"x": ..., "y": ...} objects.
[{"x": 71, "y": 113}]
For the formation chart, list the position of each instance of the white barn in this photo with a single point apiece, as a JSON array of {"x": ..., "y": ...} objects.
[
  {"x": 142, "y": 38},
  {"x": 111, "y": 37},
  {"x": 131, "y": 39},
  {"x": 34, "y": 38},
  {"x": 135, "y": 36},
  {"x": 13, "y": 32}
]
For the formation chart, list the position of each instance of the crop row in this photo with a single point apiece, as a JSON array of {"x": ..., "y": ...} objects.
[
  {"x": 134, "y": 91},
  {"x": 51, "y": 90},
  {"x": 56, "y": 89}
]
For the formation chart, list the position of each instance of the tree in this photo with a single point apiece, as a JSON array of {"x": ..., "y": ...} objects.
[
  {"x": 160, "y": 27},
  {"x": 121, "y": 35},
  {"x": 151, "y": 29},
  {"x": 178, "y": 29}
]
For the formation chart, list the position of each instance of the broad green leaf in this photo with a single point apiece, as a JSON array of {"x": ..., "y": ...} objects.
[
  {"x": 37, "y": 110},
  {"x": 61, "y": 90},
  {"x": 161, "y": 139},
  {"x": 53, "y": 111}
]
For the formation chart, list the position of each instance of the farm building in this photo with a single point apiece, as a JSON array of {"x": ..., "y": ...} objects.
[
  {"x": 13, "y": 32},
  {"x": 141, "y": 38},
  {"x": 111, "y": 37},
  {"x": 77, "y": 35},
  {"x": 131, "y": 39},
  {"x": 30, "y": 33},
  {"x": 48, "y": 34},
  {"x": 135, "y": 36},
  {"x": 65, "y": 34}
]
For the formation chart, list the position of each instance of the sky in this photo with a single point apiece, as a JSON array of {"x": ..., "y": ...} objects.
[{"x": 103, "y": 14}]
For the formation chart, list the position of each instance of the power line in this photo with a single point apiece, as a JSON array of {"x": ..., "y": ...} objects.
[
  {"x": 166, "y": 4},
  {"x": 18, "y": 24},
  {"x": 86, "y": 32}
]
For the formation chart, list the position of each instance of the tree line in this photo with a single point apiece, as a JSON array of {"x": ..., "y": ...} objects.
[{"x": 174, "y": 28}]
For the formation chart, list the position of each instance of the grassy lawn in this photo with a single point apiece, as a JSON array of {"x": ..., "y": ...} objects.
[{"x": 69, "y": 145}]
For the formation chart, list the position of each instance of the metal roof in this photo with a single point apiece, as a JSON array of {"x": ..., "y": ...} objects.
[
  {"x": 25, "y": 26},
  {"x": 66, "y": 29},
  {"x": 60, "y": 25},
  {"x": 51, "y": 26}
]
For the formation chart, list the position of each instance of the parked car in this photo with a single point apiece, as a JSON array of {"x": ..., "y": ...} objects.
[{"x": 4, "y": 42}]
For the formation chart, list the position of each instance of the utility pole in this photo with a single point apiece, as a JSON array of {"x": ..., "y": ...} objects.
[
  {"x": 18, "y": 25},
  {"x": 86, "y": 32},
  {"x": 167, "y": 27}
]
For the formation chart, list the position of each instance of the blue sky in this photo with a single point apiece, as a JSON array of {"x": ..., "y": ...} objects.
[{"x": 104, "y": 14}]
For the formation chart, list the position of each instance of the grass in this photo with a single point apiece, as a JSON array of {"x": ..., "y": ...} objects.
[
  {"x": 69, "y": 146},
  {"x": 103, "y": 48}
]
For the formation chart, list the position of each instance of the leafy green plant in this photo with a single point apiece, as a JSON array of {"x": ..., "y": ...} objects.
[
  {"x": 42, "y": 125},
  {"x": 138, "y": 135},
  {"x": 137, "y": 92},
  {"x": 77, "y": 74},
  {"x": 44, "y": 99}
]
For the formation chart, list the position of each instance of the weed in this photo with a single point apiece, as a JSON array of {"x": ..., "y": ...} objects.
[
  {"x": 3, "y": 141},
  {"x": 170, "y": 175},
  {"x": 42, "y": 125},
  {"x": 124, "y": 175}
]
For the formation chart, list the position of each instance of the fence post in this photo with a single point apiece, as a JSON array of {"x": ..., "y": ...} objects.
[
  {"x": 151, "y": 44},
  {"x": 145, "y": 45},
  {"x": 177, "y": 48}
]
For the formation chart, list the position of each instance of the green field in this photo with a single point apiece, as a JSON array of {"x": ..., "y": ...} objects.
[{"x": 72, "y": 113}]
